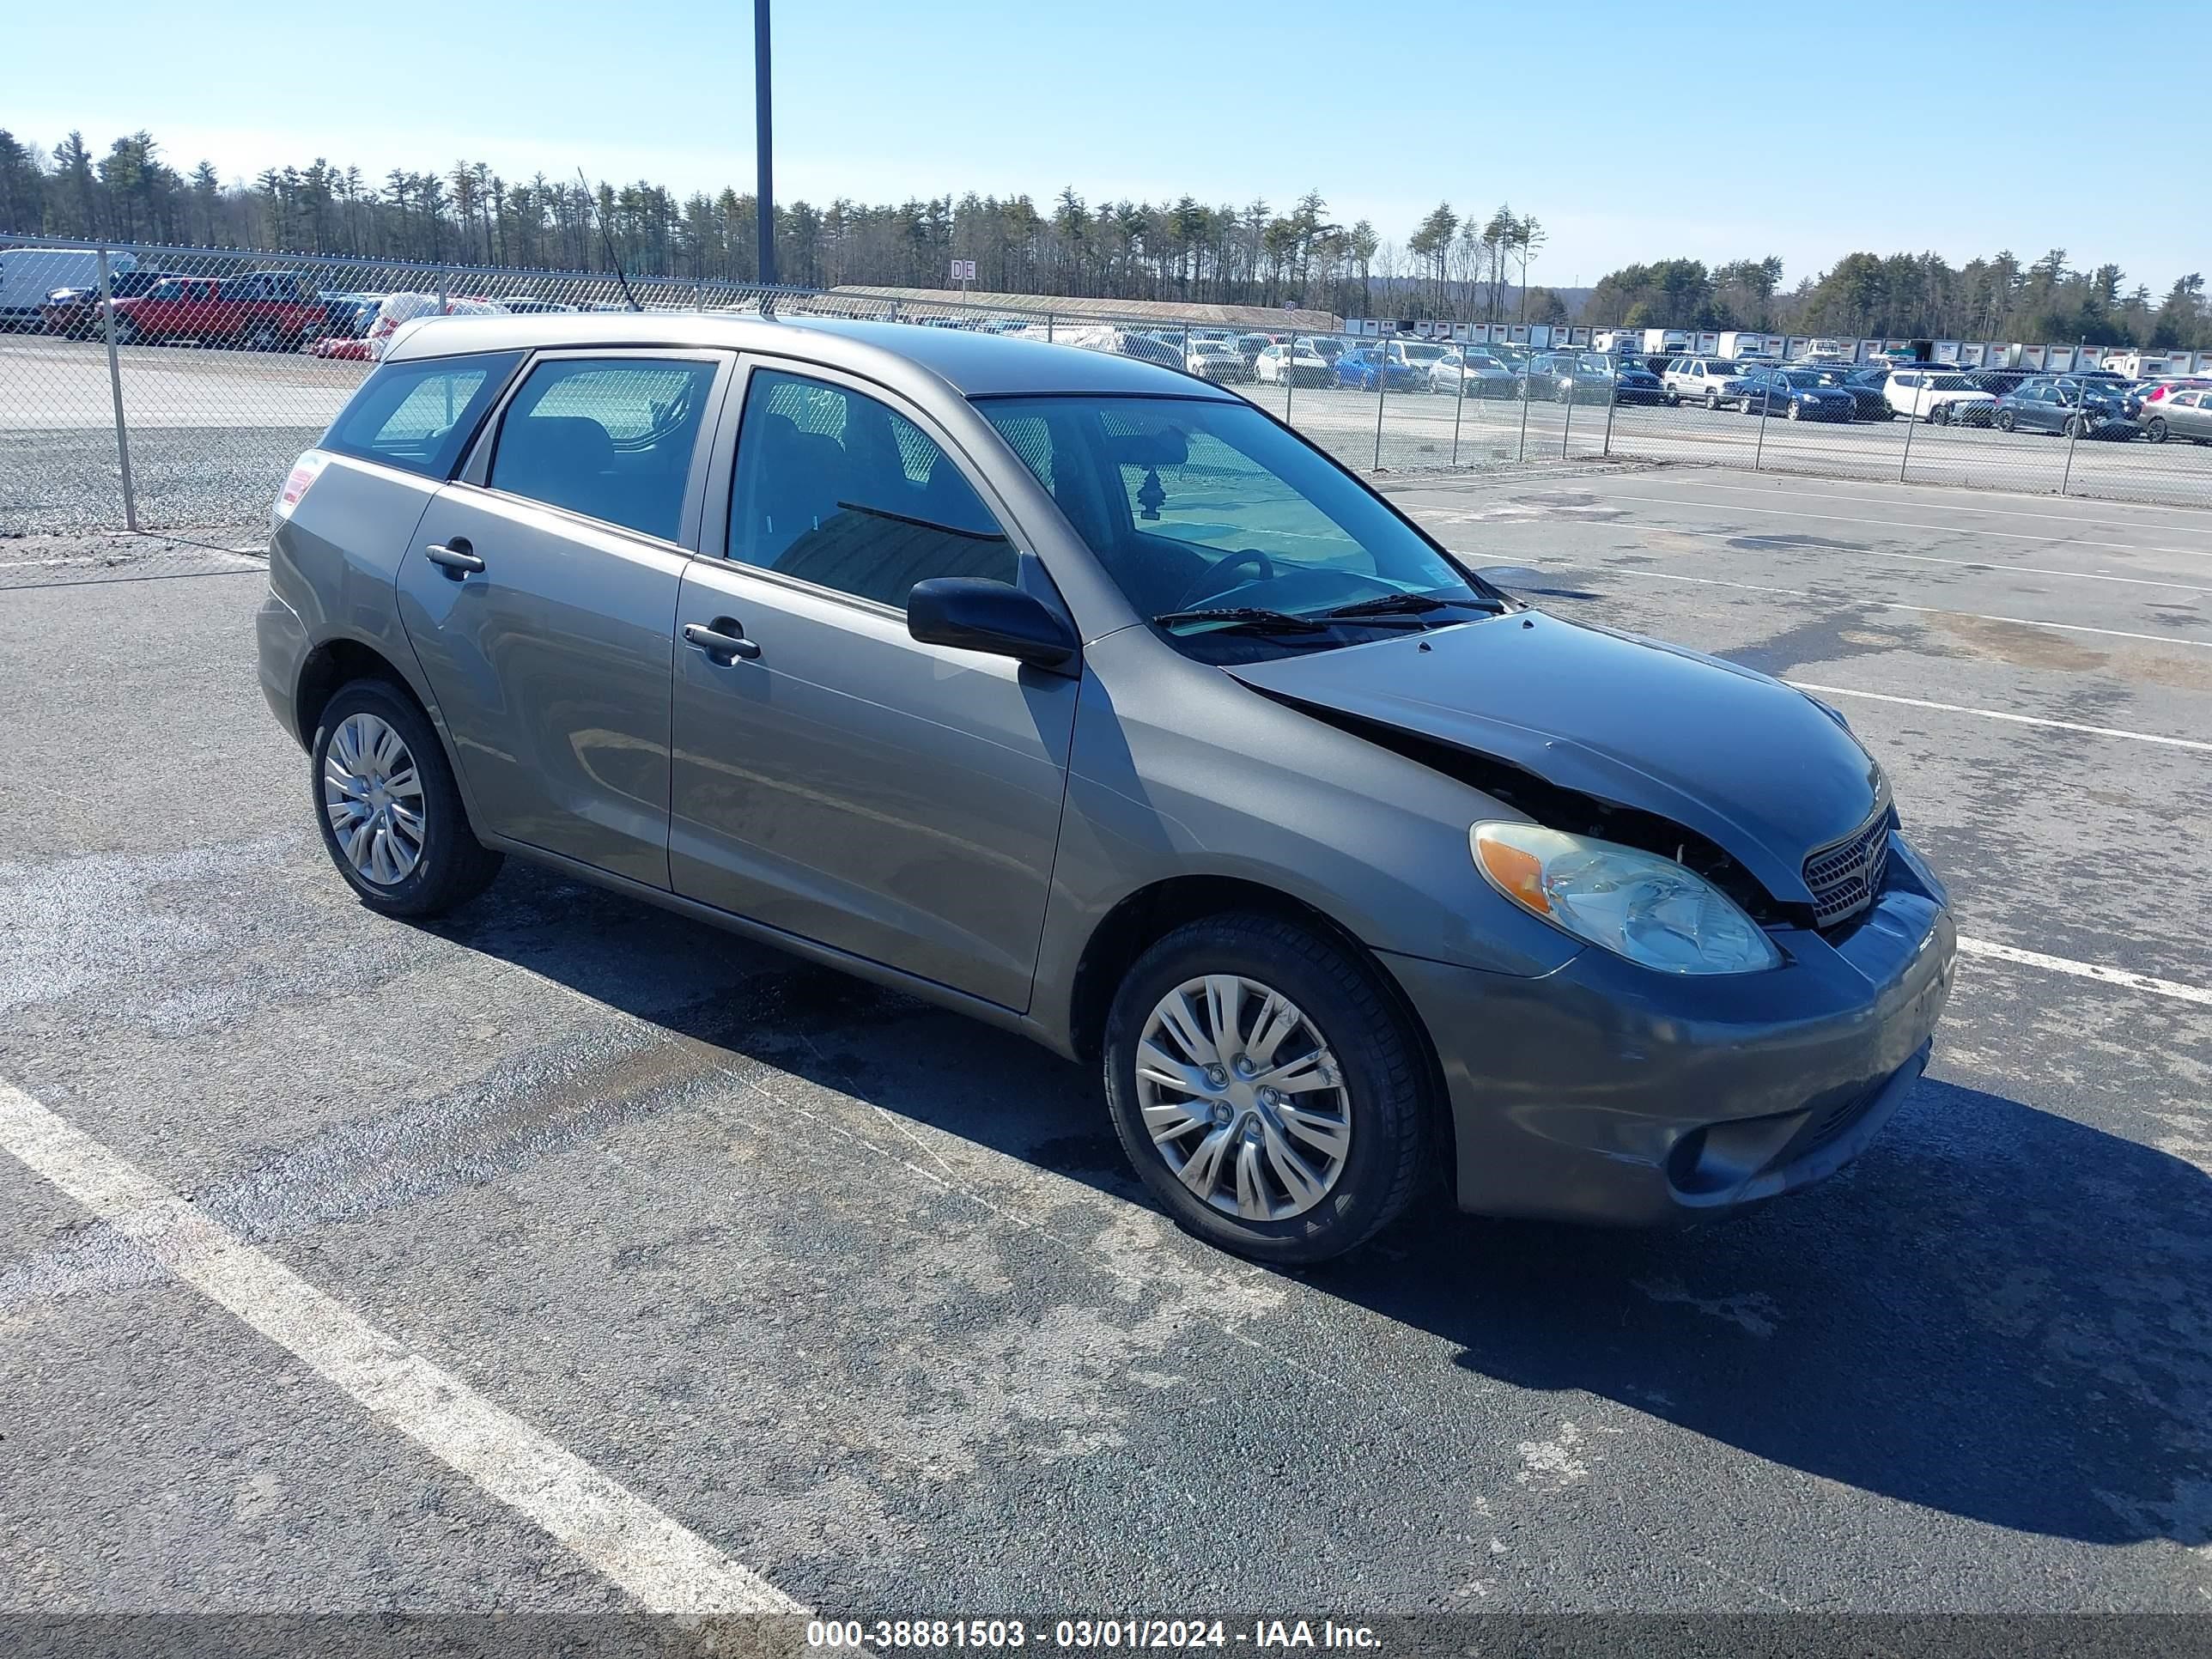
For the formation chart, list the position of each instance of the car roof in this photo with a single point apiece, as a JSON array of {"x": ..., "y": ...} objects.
[{"x": 974, "y": 364}]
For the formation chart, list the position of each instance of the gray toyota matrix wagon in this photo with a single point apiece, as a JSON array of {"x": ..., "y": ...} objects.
[{"x": 1081, "y": 695}]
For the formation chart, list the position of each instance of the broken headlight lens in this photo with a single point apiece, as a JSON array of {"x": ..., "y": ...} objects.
[{"x": 1650, "y": 909}]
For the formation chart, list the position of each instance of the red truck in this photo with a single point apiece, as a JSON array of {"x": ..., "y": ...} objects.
[{"x": 259, "y": 311}]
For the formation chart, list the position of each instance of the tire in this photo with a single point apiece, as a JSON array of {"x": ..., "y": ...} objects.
[
  {"x": 1796, "y": 412},
  {"x": 126, "y": 332},
  {"x": 2005, "y": 420},
  {"x": 2155, "y": 429},
  {"x": 450, "y": 865},
  {"x": 1381, "y": 1098},
  {"x": 1940, "y": 416},
  {"x": 1713, "y": 401},
  {"x": 2074, "y": 429}
]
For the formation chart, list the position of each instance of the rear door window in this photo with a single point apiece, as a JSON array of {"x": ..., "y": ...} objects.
[
  {"x": 417, "y": 415},
  {"x": 836, "y": 488},
  {"x": 610, "y": 438}
]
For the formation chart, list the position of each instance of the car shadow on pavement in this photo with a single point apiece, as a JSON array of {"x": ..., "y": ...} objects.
[{"x": 1997, "y": 1313}]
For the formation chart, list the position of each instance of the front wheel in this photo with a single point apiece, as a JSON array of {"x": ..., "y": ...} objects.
[
  {"x": 1796, "y": 412},
  {"x": 126, "y": 332},
  {"x": 1940, "y": 416},
  {"x": 389, "y": 812},
  {"x": 1267, "y": 1089},
  {"x": 2074, "y": 427}
]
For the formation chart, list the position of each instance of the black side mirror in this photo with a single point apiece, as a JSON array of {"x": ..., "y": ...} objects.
[{"x": 974, "y": 614}]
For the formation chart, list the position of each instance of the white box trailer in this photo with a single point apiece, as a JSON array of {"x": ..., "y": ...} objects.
[
  {"x": 1666, "y": 343},
  {"x": 1741, "y": 342}
]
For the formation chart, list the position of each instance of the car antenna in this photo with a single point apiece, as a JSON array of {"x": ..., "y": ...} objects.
[{"x": 592, "y": 201}]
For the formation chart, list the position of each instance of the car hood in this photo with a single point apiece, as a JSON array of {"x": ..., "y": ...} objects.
[{"x": 1748, "y": 763}]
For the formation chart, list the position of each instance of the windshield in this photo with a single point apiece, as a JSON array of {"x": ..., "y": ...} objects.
[
  {"x": 1949, "y": 383},
  {"x": 1192, "y": 504},
  {"x": 1593, "y": 364},
  {"x": 1424, "y": 353},
  {"x": 1801, "y": 377}
]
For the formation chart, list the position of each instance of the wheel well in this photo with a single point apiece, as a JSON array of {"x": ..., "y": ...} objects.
[
  {"x": 1150, "y": 914},
  {"x": 330, "y": 665}
]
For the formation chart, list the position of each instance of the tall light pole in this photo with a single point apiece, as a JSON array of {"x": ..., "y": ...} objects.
[{"x": 764, "y": 192}]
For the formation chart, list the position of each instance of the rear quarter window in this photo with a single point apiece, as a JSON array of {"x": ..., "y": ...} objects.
[{"x": 418, "y": 414}]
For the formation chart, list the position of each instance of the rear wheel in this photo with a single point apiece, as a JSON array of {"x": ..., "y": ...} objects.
[
  {"x": 126, "y": 332},
  {"x": 1267, "y": 1089},
  {"x": 2155, "y": 429},
  {"x": 389, "y": 812},
  {"x": 2006, "y": 420}
]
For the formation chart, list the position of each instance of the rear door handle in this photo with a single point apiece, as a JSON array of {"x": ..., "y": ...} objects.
[
  {"x": 454, "y": 558},
  {"x": 723, "y": 641}
]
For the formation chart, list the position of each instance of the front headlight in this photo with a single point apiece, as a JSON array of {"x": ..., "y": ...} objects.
[{"x": 1653, "y": 911}]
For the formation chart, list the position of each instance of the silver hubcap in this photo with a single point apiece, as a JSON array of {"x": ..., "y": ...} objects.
[
  {"x": 1243, "y": 1098},
  {"x": 374, "y": 799}
]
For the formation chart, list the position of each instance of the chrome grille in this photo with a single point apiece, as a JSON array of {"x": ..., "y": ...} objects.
[{"x": 1845, "y": 875}]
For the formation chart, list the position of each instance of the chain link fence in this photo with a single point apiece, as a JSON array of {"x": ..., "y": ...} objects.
[{"x": 176, "y": 403}]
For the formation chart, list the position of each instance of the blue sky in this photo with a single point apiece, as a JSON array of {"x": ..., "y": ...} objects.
[{"x": 1836, "y": 137}]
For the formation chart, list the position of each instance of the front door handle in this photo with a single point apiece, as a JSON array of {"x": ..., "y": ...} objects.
[
  {"x": 454, "y": 558},
  {"x": 723, "y": 640}
]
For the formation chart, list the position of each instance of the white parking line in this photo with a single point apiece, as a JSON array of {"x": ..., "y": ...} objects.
[
  {"x": 1894, "y": 604},
  {"x": 2096, "y": 970},
  {"x": 1982, "y": 512},
  {"x": 662, "y": 1563},
  {"x": 1943, "y": 529},
  {"x": 2001, "y": 714}
]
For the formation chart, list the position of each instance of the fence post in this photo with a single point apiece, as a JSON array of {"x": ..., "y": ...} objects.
[
  {"x": 1047, "y": 327},
  {"x": 1567, "y": 426},
  {"x": 1382, "y": 394},
  {"x": 1290, "y": 358},
  {"x": 2074, "y": 425},
  {"x": 115, "y": 391},
  {"x": 1911, "y": 416},
  {"x": 1527, "y": 373},
  {"x": 1459, "y": 391},
  {"x": 1611, "y": 403},
  {"x": 1765, "y": 403},
  {"x": 442, "y": 301}
]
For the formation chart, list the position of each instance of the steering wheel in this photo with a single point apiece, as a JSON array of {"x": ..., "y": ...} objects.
[{"x": 1210, "y": 584}]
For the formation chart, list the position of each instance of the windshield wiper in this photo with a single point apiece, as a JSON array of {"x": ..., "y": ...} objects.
[
  {"x": 1408, "y": 605},
  {"x": 1253, "y": 618}
]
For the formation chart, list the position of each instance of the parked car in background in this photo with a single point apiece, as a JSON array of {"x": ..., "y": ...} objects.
[
  {"x": 1287, "y": 363},
  {"x": 1423, "y": 355},
  {"x": 1094, "y": 702},
  {"x": 1795, "y": 394},
  {"x": 348, "y": 316},
  {"x": 1632, "y": 383},
  {"x": 1867, "y": 402},
  {"x": 75, "y": 312},
  {"x": 257, "y": 311},
  {"x": 1569, "y": 377},
  {"x": 1472, "y": 373},
  {"x": 1249, "y": 346},
  {"x": 2184, "y": 412},
  {"x": 1216, "y": 360},
  {"x": 29, "y": 275},
  {"x": 2061, "y": 403},
  {"x": 397, "y": 310},
  {"x": 1935, "y": 395},
  {"x": 1328, "y": 347},
  {"x": 524, "y": 305},
  {"x": 1715, "y": 382},
  {"x": 1378, "y": 364}
]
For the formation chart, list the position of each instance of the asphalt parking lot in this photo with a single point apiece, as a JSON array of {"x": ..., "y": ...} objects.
[{"x": 566, "y": 1254}]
